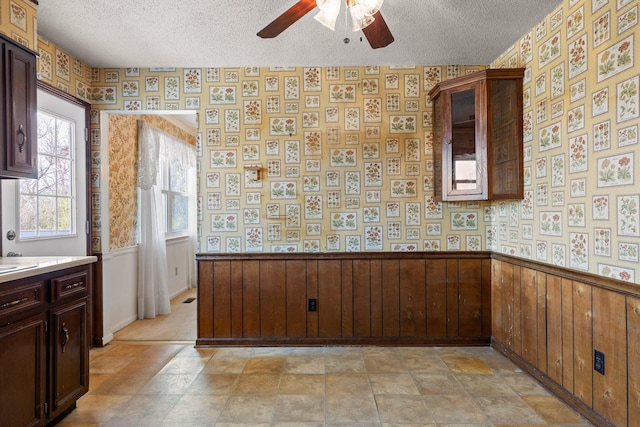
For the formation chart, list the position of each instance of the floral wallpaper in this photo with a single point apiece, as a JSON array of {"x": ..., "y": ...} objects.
[
  {"x": 123, "y": 156},
  {"x": 581, "y": 207},
  {"x": 61, "y": 70},
  {"x": 339, "y": 158},
  {"x": 18, "y": 21},
  {"x": 307, "y": 159},
  {"x": 123, "y": 164}
]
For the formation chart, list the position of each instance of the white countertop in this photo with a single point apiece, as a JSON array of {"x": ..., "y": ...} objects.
[{"x": 13, "y": 268}]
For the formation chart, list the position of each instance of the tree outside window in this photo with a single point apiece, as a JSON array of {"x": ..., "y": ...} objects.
[{"x": 46, "y": 205}]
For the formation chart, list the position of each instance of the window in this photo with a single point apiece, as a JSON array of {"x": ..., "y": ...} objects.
[
  {"x": 167, "y": 185},
  {"x": 47, "y": 205},
  {"x": 175, "y": 195}
]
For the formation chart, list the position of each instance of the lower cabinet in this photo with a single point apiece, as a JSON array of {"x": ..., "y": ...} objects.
[
  {"x": 69, "y": 351},
  {"x": 44, "y": 347},
  {"x": 23, "y": 374}
]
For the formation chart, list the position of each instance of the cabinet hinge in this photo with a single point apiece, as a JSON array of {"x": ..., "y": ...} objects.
[
  {"x": 86, "y": 227},
  {"x": 46, "y": 408},
  {"x": 86, "y": 134},
  {"x": 46, "y": 326}
]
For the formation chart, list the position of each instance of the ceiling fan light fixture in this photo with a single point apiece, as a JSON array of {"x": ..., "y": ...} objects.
[
  {"x": 366, "y": 21},
  {"x": 329, "y": 11},
  {"x": 359, "y": 16},
  {"x": 357, "y": 25},
  {"x": 371, "y": 7},
  {"x": 327, "y": 19},
  {"x": 363, "y": 14},
  {"x": 331, "y": 7}
]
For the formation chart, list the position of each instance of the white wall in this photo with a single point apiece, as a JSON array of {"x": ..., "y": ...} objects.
[
  {"x": 178, "y": 265},
  {"x": 120, "y": 278},
  {"x": 119, "y": 290}
]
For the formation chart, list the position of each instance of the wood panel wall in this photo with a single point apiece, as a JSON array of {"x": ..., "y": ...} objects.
[
  {"x": 550, "y": 321},
  {"x": 362, "y": 298}
]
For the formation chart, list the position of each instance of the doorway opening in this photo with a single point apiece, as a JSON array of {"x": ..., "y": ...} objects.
[{"x": 118, "y": 244}]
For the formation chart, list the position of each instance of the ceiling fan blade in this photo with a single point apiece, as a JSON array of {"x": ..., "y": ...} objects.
[
  {"x": 378, "y": 33},
  {"x": 287, "y": 19}
]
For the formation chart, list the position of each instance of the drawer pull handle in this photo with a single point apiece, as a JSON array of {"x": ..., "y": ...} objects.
[
  {"x": 65, "y": 337},
  {"x": 73, "y": 285},
  {"x": 13, "y": 303},
  {"x": 24, "y": 138}
]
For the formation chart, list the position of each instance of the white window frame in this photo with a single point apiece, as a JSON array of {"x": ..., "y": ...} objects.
[
  {"x": 72, "y": 197},
  {"x": 167, "y": 193}
]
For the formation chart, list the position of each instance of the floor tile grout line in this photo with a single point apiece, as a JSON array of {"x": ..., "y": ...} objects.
[{"x": 496, "y": 373}]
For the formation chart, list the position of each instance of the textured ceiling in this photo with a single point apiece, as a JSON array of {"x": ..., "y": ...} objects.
[{"x": 222, "y": 33}]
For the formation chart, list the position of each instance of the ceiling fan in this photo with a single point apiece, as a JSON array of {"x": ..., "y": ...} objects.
[{"x": 365, "y": 16}]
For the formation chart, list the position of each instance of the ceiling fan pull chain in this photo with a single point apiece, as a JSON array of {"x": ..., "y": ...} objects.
[{"x": 346, "y": 39}]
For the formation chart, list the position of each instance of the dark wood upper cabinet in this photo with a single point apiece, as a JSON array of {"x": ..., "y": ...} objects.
[
  {"x": 478, "y": 136},
  {"x": 18, "y": 124}
]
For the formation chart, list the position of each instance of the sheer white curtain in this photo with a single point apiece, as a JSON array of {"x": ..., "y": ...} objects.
[
  {"x": 185, "y": 153},
  {"x": 153, "y": 288}
]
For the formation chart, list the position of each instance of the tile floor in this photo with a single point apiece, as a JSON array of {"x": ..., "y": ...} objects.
[
  {"x": 170, "y": 384},
  {"x": 180, "y": 325}
]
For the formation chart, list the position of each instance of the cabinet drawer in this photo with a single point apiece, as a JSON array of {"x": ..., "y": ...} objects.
[
  {"x": 71, "y": 284},
  {"x": 19, "y": 299}
]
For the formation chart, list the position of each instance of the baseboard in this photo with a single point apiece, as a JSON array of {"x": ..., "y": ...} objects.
[
  {"x": 572, "y": 401},
  {"x": 178, "y": 292},
  {"x": 106, "y": 339},
  {"x": 350, "y": 341},
  {"x": 123, "y": 324}
]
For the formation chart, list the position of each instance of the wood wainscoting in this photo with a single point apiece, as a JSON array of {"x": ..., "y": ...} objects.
[
  {"x": 550, "y": 321},
  {"x": 432, "y": 298}
]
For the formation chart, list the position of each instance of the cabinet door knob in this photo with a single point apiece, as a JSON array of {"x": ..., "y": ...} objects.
[
  {"x": 65, "y": 337},
  {"x": 24, "y": 138},
  {"x": 448, "y": 141}
]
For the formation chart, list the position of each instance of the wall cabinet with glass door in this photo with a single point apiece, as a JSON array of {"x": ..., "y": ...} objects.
[{"x": 477, "y": 122}]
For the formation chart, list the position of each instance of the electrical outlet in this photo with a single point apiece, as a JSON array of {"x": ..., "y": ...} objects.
[
  {"x": 598, "y": 361},
  {"x": 313, "y": 304}
]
